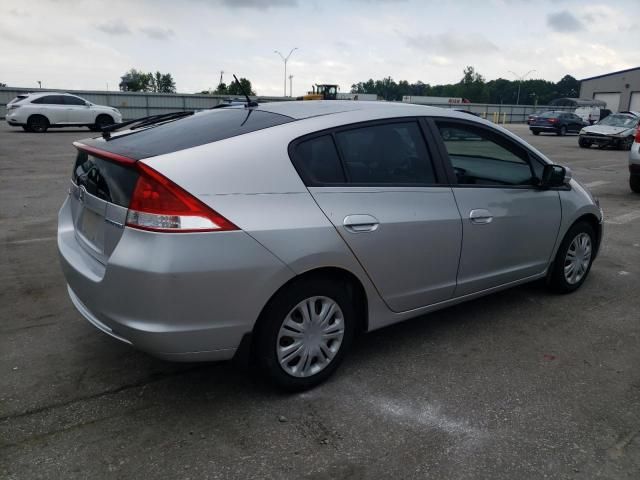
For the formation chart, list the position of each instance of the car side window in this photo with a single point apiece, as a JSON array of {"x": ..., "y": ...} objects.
[
  {"x": 393, "y": 153},
  {"x": 69, "y": 100},
  {"x": 50, "y": 100},
  {"x": 480, "y": 157},
  {"x": 319, "y": 160}
]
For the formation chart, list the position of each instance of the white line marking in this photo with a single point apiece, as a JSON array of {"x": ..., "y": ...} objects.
[
  {"x": 597, "y": 183},
  {"x": 626, "y": 218},
  {"x": 31, "y": 240}
]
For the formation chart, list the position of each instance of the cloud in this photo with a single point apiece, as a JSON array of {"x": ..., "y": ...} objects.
[
  {"x": 114, "y": 27},
  {"x": 157, "y": 33},
  {"x": 451, "y": 43},
  {"x": 258, "y": 4},
  {"x": 564, "y": 21}
]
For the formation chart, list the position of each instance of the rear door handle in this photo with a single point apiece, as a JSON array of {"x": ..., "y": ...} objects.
[
  {"x": 480, "y": 216},
  {"x": 360, "y": 223}
]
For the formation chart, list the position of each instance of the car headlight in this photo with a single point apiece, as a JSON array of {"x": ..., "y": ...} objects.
[{"x": 582, "y": 132}]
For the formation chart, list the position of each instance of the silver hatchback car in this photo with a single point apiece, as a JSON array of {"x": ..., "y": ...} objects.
[{"x": 289, "y": 228}]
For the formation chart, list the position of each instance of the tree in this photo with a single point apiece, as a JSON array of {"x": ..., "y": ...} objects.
[
  {"x": 568, "y": 87},
  {"x": 222, "y": 89},
  {"x": 162, "y": 83},
  {"x": 234, "y": 88},
  {"x": 3, "y": 84},
  {"x": 138, "y": 81}
]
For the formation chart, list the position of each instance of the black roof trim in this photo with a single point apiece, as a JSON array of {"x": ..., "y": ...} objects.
[{"x": 612, "y": 73}]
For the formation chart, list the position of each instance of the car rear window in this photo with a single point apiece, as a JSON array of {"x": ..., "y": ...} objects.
[
  {"x": 198, "y": 129},
  {"x": 549, "y": 115},
  {"x": 18, "y": 99}
]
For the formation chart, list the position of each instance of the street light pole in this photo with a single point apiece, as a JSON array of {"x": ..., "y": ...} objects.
[
  {"x": 520, "y": 80},
  {"x": 291, "y": 85},
  {"x": 285, "y": 60}
]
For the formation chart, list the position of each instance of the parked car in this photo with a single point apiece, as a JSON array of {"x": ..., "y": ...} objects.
[
  {"x": 559, "y": 123},
  {"x": 533, "y": 116},
  {"x": 634, "y": 164},
  {"x": 287, "y": 229},
  {"x": 37, "y": 112},
  {"x": 616, "y": 130}
]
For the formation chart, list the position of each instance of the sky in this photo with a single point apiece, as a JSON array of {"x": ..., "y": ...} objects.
[{"x": 89, "y": 44}]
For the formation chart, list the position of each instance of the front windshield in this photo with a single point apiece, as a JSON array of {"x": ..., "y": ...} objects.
[{"x": 618, "y": 120}]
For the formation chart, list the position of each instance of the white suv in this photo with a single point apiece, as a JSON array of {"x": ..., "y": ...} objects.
[{"x": 36, "y": 112}]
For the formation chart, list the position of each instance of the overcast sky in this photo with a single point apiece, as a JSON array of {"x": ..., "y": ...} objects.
[{"x": 87, "y": 44}]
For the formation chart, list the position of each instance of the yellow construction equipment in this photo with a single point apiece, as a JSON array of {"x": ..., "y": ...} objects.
[{"x": 321, "y": 92}]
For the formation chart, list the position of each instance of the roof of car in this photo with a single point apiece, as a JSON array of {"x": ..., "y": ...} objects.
[{"x": 314, "y": 108}]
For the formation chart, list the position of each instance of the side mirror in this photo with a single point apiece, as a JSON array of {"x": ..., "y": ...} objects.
[
  {"x": 87, "y": 104},
  {"x": 555, "y": 176}
]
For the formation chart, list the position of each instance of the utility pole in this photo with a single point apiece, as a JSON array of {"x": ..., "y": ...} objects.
[
  {"x": 221, "y": 74},
  {"x": 291, "y": 85},
  {"x": 39, "y": 84},
  {"x": 520, "y": 80},
  {"x": 285, "y": 60}
]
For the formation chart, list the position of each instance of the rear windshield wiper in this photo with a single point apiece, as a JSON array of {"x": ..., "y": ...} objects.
[{"x": 141, "y": 122}]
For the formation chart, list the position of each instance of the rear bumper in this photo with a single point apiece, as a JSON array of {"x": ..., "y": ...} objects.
[
  {"x": 181, "y": 297},
  {"x": 543, "y": 128}
]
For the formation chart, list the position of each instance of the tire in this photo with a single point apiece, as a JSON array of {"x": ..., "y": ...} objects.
[
  {"x": 37, "y": 124},
  {"x": 584, "y": 143},
  {"x": 271, "y": 339},
  {"x": 562, "y": 279},
  {"x": 102, "y": 121},
  {"x": 634, "y": 183},
  {"x": 25, "y": 128},
  {"x": 535, "y": 132},
  {"x": 626, "y": 143},
  {"x": 562, "y": 132}
]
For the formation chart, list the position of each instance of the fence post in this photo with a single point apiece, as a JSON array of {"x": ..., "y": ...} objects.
[
  {"x": 146, "y": 98},
  {"x": 184, "y": 103}
]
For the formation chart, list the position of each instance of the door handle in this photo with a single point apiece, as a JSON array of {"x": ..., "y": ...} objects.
[
  {"x": 360, "y": 223},
  {"x": 480, "y": 216}
]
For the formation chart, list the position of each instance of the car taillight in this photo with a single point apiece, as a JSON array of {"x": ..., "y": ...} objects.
[
  {"x": 12, "y": 106},
  {"x": 159, "y": 205},
  {"x": 553, "y": 120},
  {"x": 637, "y": 139}
]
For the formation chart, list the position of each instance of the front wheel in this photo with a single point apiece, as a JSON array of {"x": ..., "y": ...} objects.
[
  {"x": 304, "y": 333},
  {"x": 627, "y": 143},
  {"x": 584, "y": 143},
  {"x": 634, "y": 183},
  {"x": 574, "y": 258},
  {"x": 563, "y": 131},
  {"x": 102, "y": 121}
]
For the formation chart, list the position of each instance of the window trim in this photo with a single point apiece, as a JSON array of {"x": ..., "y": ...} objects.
[
  {"x": 433, "y": 156},
  {"x": 453, "y": 180}
]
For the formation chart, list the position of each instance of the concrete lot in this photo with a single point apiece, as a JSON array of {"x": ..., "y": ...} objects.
[{"x": 520, "y": 384}]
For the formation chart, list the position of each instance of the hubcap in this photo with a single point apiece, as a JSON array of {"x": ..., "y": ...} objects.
[
  {"x": 578, "y": 257},
  {"x": 310, "y": 336}
]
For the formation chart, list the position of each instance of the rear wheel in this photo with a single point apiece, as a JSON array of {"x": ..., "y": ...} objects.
[
  {"x": 563, "y": 131},
  {"x": 584, "y": 143},
  {"x": 535, "y": 132},
  {"x": 102, "y": 121},
  {"x": 634, "y": 183},
  {"x": 304, "y": 333},
  {"x": 573, "y": 260},
  {"x": 25, "y": 128},
  {"x": 37, "y": 124}
]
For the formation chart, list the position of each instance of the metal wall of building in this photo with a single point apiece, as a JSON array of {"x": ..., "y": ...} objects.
[{"x": 626, "y": 83}]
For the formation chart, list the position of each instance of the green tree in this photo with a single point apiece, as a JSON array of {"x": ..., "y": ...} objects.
[
  {"x": 3, "y": 84},
  {"x": 138, "y": 81},
  {"x": 234, "y": 88},
  {"x": 568, "y": 87},
  {"x": 222, "y": 89}
]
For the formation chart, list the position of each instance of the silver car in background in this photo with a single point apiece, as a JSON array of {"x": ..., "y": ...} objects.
[{"x": 289, "y": 228}]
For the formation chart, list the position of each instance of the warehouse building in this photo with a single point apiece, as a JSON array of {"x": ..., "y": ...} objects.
[{"x": 619, "y": 90}]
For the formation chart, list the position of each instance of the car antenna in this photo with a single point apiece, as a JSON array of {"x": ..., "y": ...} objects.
[{"x": 250, "y": 103}]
